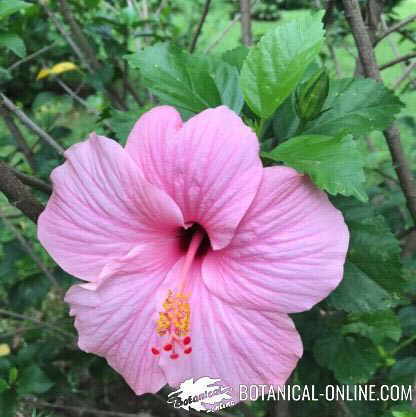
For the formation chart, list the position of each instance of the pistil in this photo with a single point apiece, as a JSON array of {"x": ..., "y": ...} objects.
[{"x": 175, "y": 319}]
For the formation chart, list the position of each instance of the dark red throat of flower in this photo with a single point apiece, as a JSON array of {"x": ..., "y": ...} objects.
[
  {"x": 186, "y": 236},
  {"x": 173, "y": 324}
]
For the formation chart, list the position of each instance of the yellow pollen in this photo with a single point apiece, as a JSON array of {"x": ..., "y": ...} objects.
[{"x": 176, "y": 316}]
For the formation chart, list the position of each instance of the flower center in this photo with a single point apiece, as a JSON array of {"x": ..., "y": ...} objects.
[
  {"x": 173, "y": 324},
  {"x": 186, "y": 236}
]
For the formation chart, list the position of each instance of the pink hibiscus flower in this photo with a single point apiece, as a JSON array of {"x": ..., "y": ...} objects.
[{"x": 193, "y": 253}]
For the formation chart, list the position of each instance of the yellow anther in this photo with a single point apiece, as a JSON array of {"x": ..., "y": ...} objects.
[
  {"x": 163, "y": 324},
  {"x": 176, "y": 316}
]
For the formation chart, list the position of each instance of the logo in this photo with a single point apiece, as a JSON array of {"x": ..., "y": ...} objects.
[{"x": 204, "y": 394}]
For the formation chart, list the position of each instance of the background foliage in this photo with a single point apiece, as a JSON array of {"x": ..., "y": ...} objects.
[{"x": 136, "y": 57}]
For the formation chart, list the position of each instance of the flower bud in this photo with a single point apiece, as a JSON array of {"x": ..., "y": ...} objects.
[{"x": 311, "y": 96}]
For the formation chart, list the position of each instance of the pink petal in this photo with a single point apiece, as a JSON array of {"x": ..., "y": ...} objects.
[
  {"x": 101, "y": 207},
  {"x": 117, "y": 320},
  {"x": 146, "y": 143},
  {"x": 210, "y": 166},
  {"x": 233, "y": 344},
  {"x": 288, "y": 252}
]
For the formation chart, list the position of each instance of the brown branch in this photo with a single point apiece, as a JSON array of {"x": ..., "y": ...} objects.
[
  {"x": 245, "y": 9},
  {"x": 18, "y": 136},
  {"x": 80, "y": 100},
  {"x": 87, "y": 57},
  {"x": 31, "y": 124},
  {"x": 393, "y": 46},
  {"x": 33, "y": 181},
  {"x": 104, "y": 413},
  {"x": 397, "y": 60},
  {"x": 405, "y": 232},
  {"x": 395, "y": 49},
  {"x": 222, "y": 35},
  {"x": 407, "y": 35},
  {"x": 127, "y": 84},
  {"x": 87, "y": 50},
  {"x": 391, "y": 134},
  {"x": 19, "y": 316},
  {"x": 386, "y": 176},
  {"x": 408, "y": 71},
  {"x": 78, "y": 35},
  {"x": 80, "y": 410},
  {"x": 409, "y": 248},
  {"x": 395, "y": 28},
  {"x": 328, "y": 18},
  {"x": 75, "y": 96},
  {"x": 65, "y": 34},
  {"x": 200, "y": 25},
  {"x": 373, "y": 12},
  {"x": 362, "y": 39},
  {"x": 133, "y": 92},
  {"x": 343, "y": 407},
  {"x": 333, "y": 55},
  {"x": 31, "y": 56},
  {"x": 18, "y": 195}
]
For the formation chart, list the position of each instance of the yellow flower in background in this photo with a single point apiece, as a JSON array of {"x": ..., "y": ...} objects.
[
  {"x": 4, "y": 349},
  {"x": 44, "y": 72},
  {"x": 56, "y": 69},
  {"x": 63, "y": 67}
]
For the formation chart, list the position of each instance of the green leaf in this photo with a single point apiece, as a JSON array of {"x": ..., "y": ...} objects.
[
  {"x": 276, "y": 64},
  {"x": 236, "y": 56},
  {"x": 257, "y": 408},
  {"x": 91, "y": 4},
  {"x": 100, "y": 77},
  {"x": 352, "y": 209},
  {"x": 376, "y": 326},
  {"x": 376, "y": 251},
  {"x": 353, "y": 360},
  {"x": 122, "y": 122},
  {"x": 27, "y": 355},
  {"x": 13, "y": 373},
  {"x": 45, "y": 160},
  {"x": 373, "y": 274},
  {"x": 364, "y": 408},
  {"x": 5, "y": 75},
  {"x": 3, "y": 385},
  {"x": 403, "y": 371},
  {"x": 227, "y": 81},
  {"x": 12, "y": 251},
  {"x": 8, "y": 403},
  {"x": 356, "y": 106},
  {"x": 8, "y": 7},
  {"x": 407, "y": 317},
  {"x": 334, "y": 164},
  {"x": 176, "y": 77},
  {"x": 285, "y": 120},
  {"x": 308, "y": 372},
  {"x": 28, "y": 292},
  {"x": 403, "y": 410},
  {"x": 358, "y": 293},
  {"x": 14, "y": 43},
  {"x": 51, "y": 103},
  {"x": 32, "y": 380}
]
